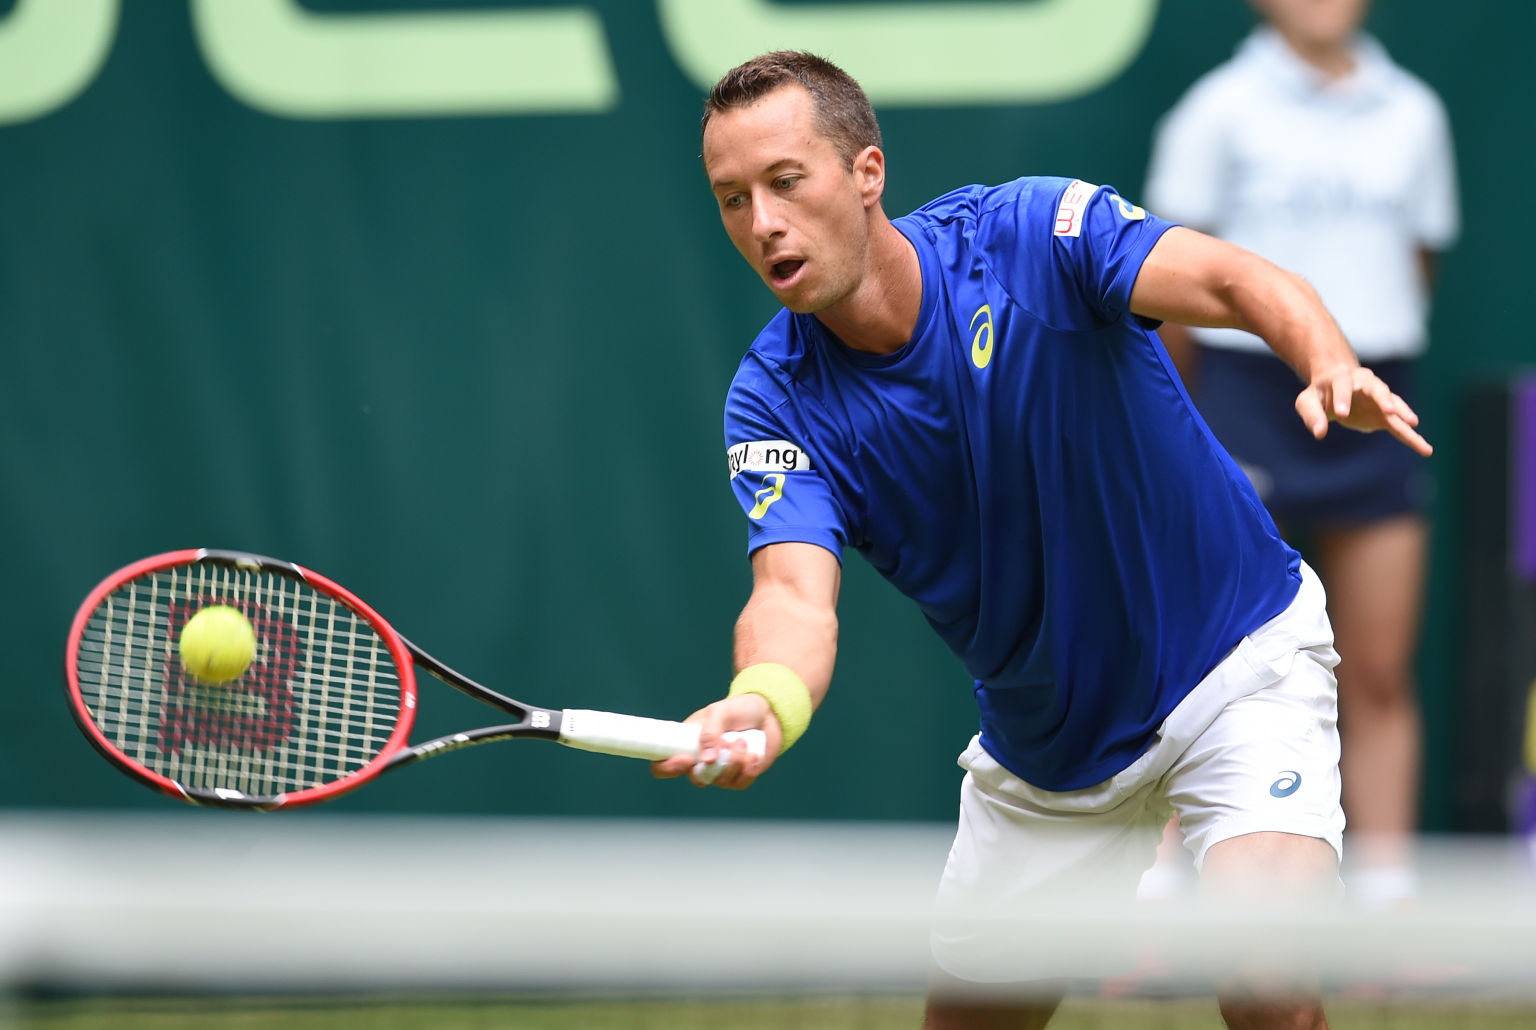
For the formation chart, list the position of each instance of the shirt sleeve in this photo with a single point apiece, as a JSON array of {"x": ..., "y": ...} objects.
[
  {"x": 1103, "y": 239},
  {"x": 773, "y": 468},
  {"x": 1437, "y": 208}
]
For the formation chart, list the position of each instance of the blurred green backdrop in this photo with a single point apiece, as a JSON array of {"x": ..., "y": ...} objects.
[{"x": 455, "y": 328}]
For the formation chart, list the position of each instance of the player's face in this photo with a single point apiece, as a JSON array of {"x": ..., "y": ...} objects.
[
  {"x": 788, "y": 202},
  {"x": 1317, "y": 23}
]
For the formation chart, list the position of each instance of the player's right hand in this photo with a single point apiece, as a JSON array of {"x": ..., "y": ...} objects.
[{"x": 743, "y": 712}]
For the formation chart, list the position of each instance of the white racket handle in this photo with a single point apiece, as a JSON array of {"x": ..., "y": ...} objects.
[{"x": 633, "y": 736}]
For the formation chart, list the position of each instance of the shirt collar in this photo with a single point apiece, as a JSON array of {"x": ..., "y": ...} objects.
[{"x": 1267, "y": 49}]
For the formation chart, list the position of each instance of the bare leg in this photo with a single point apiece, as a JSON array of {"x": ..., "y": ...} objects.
[
  {"x": 953, "y": 1005},
  {"x": 1375, "y": 581},
  {"x": 1284, "y": 869}
]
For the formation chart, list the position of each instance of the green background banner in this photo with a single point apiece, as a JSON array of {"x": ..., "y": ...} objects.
[{"x": 433, "y": 299}]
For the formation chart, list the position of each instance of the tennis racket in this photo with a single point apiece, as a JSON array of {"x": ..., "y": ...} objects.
[{"x": 326, "y": 704}]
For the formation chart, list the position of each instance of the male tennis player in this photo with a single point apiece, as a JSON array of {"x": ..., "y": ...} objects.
[{"x": 973, "y": 397}]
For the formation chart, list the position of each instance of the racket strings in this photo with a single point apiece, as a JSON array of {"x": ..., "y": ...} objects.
[{"x": 318, "y": 702}]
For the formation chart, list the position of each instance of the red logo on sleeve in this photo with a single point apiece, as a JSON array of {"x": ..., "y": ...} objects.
[{"x": 1069, "y": 216}]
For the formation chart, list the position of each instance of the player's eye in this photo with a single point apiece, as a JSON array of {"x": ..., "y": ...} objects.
[
  {"x": 784, "y": 182},
  {"x": 734, "y": 200}
]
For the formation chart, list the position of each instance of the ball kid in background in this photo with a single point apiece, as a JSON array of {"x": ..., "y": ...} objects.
[{"x": 1312, "y": 148}]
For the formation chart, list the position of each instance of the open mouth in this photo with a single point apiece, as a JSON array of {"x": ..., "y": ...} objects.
[{"x": 783, "y": 271}]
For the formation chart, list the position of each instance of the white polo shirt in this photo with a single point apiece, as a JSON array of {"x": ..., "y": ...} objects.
[{"x": 1342, "y": 182}]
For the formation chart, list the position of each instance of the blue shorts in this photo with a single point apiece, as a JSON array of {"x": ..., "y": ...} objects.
[{"x": 1346, "y": 479}]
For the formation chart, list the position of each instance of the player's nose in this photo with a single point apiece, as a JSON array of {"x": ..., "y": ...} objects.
[{"x": 767, "y": 218}]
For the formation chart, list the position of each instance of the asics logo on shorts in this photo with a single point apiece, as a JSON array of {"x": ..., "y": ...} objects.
[{"x": 1286, "y": 785}]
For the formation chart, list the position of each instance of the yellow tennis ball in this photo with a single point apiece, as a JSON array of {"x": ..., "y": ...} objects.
[{"x": 217, "y": 644}]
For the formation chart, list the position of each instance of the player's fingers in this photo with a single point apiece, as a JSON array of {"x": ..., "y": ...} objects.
[
  {"x": 1400, "y": 428},
  {"x": 1343, "y": 389},
  {"x": 748, "y": 765},
  {"x": 1309, "y": 405},
  {"x": 709, "y": 765},
  {"x": 682, "y": 763},
  {"x": 1379, "y": 393},
  {"x": 732, "y": 777},
  {"x": 669, "y": 768},
  {"x": 1404, "y": 412},
  {"x": 734, "y": 767}
]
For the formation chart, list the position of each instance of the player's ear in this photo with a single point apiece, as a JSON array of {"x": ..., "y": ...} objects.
[{"x": 869, "y": 174}]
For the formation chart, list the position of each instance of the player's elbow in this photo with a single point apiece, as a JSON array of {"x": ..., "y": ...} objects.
[{"x": 1257, "y": 293}]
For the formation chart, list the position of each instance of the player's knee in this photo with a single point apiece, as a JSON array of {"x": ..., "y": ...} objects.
[
  {"x": 956, "y": 1004},
  {"x": 1248, "y": 1013}
]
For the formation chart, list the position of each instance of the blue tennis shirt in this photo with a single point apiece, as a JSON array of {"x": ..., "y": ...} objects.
[{"x": 1028, "y": 469}]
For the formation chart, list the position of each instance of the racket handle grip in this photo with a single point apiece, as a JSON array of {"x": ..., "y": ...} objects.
[{"x": 633, "y": 736}]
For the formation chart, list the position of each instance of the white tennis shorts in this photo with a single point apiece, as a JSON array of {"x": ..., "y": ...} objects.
[{"x": 1254, "y": 747}]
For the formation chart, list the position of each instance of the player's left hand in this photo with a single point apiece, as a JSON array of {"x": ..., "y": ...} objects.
[{"x": 1355, "y": 397}]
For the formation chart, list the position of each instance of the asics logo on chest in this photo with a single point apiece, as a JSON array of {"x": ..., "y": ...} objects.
[{"x": 981, "y": 342}]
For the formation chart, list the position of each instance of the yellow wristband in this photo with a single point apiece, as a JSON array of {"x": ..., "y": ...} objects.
[{"x": 785, "y": 692}]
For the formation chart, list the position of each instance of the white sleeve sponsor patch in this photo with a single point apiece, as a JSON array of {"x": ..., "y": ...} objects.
[
  {"x": 1069, "y": 216},
  {"x": 766, "y": 456}
]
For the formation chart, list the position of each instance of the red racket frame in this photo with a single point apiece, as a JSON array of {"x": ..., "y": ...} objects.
[{"x": 399, "y": 651}]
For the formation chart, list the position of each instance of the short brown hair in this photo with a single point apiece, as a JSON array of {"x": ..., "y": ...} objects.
[{"x": 843, "y": 113}]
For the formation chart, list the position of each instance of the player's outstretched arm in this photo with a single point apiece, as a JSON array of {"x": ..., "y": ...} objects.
[
  {"x": 1196, "y": 279},
  {"x": 789, "y": 621}
]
